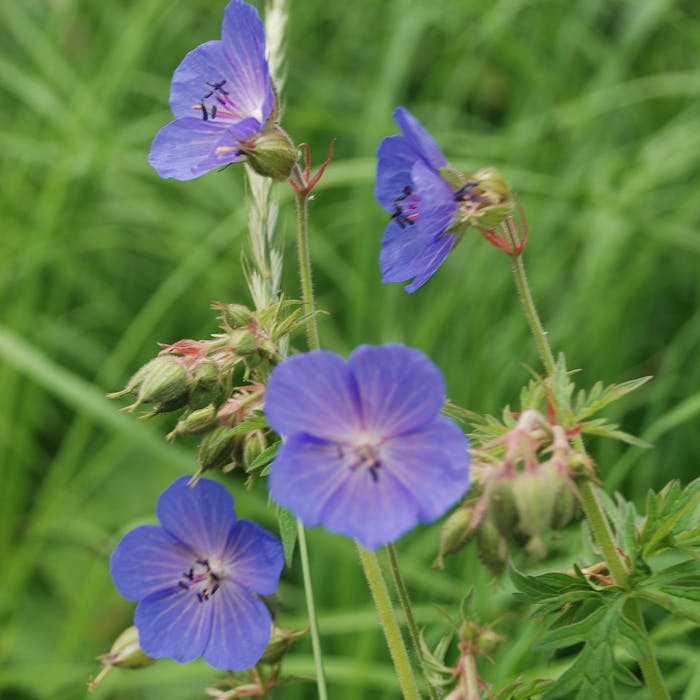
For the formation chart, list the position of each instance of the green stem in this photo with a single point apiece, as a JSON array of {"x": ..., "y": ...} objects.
[
  {"x": 405, "y": 601},
  {"x": 369, "y": 562},
  {"x": 311, "y": 608},
  {"x": 305, "y": 278},
  {"x": 597, "y": 520},
  {"x": 389, "y": 623}
]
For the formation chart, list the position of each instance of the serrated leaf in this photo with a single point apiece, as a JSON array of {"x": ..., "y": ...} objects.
[
  {"x": 265, "y": 457},
  {"x": 599, "y": 397},
  {"x": 520, "y": 690},
  {"x": 603, "y": 428},
  {"x": 288, "y": 533}
]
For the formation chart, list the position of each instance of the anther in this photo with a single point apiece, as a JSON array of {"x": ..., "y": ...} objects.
[
  {"x": 205, "y": 114},
  {"x": 183, "y": 585}
]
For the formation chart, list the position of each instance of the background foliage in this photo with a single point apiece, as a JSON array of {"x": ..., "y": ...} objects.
[{"x": 590, "y": 109}]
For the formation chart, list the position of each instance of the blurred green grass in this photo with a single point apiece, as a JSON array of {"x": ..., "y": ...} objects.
[{"x": 590, "y": 109}]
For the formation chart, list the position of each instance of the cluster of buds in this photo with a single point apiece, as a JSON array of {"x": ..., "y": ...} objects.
[
  {"x": 217, "y": 384},
  {"x": 524, "y": 489},
  {"x": 474, "y": 641}
]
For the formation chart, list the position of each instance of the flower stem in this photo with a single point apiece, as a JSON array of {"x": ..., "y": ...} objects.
[
  {"x": 389, "y": 623},
  {"x": 597, "y": 520},
  {"x": 311, "y": 608},
  {"x": 370, "y": 565},
  {"x": 405, "y": 601}
]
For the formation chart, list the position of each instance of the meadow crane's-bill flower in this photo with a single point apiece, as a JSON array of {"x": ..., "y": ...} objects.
[
  {"x": 222, "y": 98},
  {"x": 197, "y": 577},
  {"x": 366, "y": 452}
]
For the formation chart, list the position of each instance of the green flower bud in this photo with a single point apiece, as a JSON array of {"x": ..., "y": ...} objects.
[
  {"x": 204, "y": 384},
  {"x": 196, "y": 422},
  {"x": 125, "y": 653},
  {"x": 162, "y": 380},
  {"x": 271, "y": 153},
  {"x": 501, "y": 504},
  {"x": 254, "y": 444},
  {"x": 535, "y": 494},
  {"x": 456, "y": 533},
  {"x": 216, "y": 447},
  {"x": 235, "y": 315},
  {"x": 491, "y": 547},
  {"x": 245, "y": 342},
  {"x": 488, "y": 641},
  {"x": 565, "y": 502},
  {"x": 280, "y": 641}
]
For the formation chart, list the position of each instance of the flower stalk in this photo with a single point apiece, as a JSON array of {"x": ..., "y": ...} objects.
[
  {"x": 597, "y": 520},
  {"x": 368, "y": 560}
]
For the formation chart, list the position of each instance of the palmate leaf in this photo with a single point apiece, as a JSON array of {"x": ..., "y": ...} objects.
[
  {"x": 599, "y": 396},
  {"x": 521, "y": 690},
  {"x": 595, "y": 671},
  {"x": 672, "y": 514}
]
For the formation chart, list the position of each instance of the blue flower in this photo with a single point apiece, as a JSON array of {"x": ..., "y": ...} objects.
[
  {"x": 421, "y": 203},
  {"x": 221, "y": 95},
  {"x": 196, "y": 577},
  {"x": 367, "y": 453}
]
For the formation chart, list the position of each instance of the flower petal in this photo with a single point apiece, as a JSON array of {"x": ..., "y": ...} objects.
[
  {"x": 187, "y": 148},
  {"x": 400, "y": 247},
  {"x": 400, "y": 388},
  {"x": 430, "y": 259},
  {"x": 374, "y": 510},
  {"x": 419, "y": 138},
  {"x": 438, "y": 205},
  {"x": 304, "y": 475},
  {"x": 200, "y": 516},
  {"x": 395, "y": 159},
  {"x": 175, "y": 624},
  {"x": 432, "y": 464},
  {"x": 243, "y": 39},
  {"x": 313, "y": 393},
  {"x": 147, "y": 560},
  {"x": 240, "y": 629},
  {"x": 253, "y": 557},
  {"x": 191, "y": 80}
]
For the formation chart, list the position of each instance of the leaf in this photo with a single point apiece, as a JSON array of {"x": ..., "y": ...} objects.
[
  {"x": 599, "y": 397},
  {"x": 595, "y": 669},
  {"x": 520, "y": 690},
  {"x": 603, "y": 428},
  {"x": 288, "y": 532},
  {"x": 265, "y": 457}
]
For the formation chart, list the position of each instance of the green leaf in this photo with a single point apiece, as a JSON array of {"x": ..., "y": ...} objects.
[
  {"x": 599, "y": 396},
  {"x": 603, "y": 428},
  {"x": 265, "y": 457},
  {"x": 288, "y": 532},
  {"x": 520, "y": 690}
]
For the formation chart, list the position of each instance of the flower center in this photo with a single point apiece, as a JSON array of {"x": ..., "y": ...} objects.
[
  {"x": 367, "y": 457},
  {"x": 405, "y": 208},
  {"x": 217, "y": 102},
  {"x": 201, "y": 579}
]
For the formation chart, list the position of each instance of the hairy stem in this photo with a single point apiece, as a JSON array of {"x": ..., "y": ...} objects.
[
  {"x": 405, "y": 601},
  {"x": 389, "y": 623}
]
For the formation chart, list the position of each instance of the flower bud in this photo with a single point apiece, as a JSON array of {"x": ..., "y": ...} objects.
[
  {"x": 254, "y": 444},
  {"x": 280, "y": 641},
  {"x": 216, "y": 447},
  {"x": 488, "y": 641},
  {"x": 245, "y": 342},
  {"x": 162, "y": 380},
  {"x": 203, "y": 384},
  {"x": 565, "y": 502},
  {"x": 456, "y": 533},
  {"x": 535, "y": 494},
  {"x": 125, "y": 653},
  {"x": 235, "y": 316},
  {"x": 501, "y": 504},
  {"x": 271, "y": 153},
  {"x": 196, "y": 422},
  {"x": 491, "y": 547}
]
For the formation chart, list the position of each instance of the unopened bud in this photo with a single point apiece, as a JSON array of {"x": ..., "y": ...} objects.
[
  {"x": 271, "y": 153},
  {"x": 254, "y": 444},
  {"x": 196, "y": 422},
  {"x": 491, "y": 547},
  {"x": 216, "y": 447},
  {"x": 501, "y": 504},
  {"x": 235, "y": 315},
  {"x": 488, "y": 641},
  {"x": 565, "y": 501},
  {"x": 203, "y": 384},
  {"x": 244, "y": 342},
  {"x": 280, "y": 641},
  {"x": 535, "y": 494},
  {"x": 456, "y": 533},
  {"x": 125, "y": 653},
  {"x": 162, "y": 380}
]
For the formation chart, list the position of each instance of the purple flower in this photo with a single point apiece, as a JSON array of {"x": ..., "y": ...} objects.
[
  {"x": 421, "y": 203},
  {"x": 195, "y": 578},
  {"x": 221, "y": 95},
  {"x": 367, "y": 453}
]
